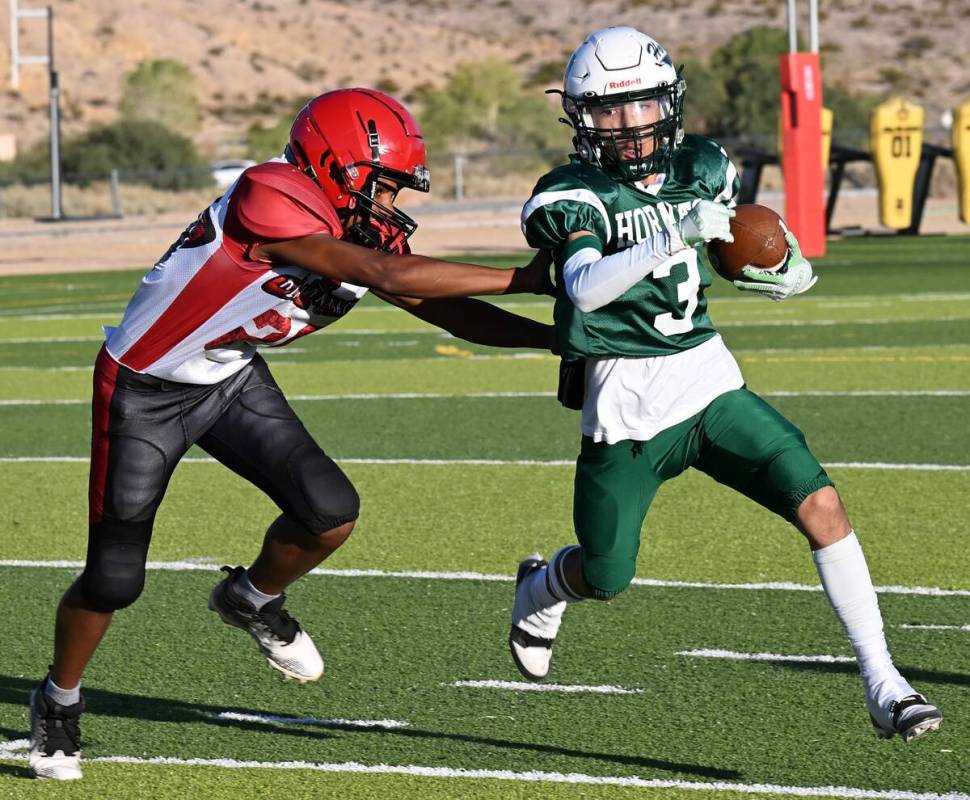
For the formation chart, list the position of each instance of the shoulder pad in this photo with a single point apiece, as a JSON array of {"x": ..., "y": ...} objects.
[
  {"x": 705, "y": 166},
  {"x": 570, "y": 198},
  {"x": 276, "y": 201}
]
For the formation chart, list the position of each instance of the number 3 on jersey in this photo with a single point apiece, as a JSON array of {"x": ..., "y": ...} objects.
[{"x": 668, "y": 324}]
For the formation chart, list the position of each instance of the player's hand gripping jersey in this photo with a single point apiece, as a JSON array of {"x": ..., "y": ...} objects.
[
  {"x": 654, "y": 356},
  {"x": 200, "y": 313}
]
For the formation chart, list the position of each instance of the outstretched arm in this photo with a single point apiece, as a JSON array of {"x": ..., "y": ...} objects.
[
  {"x": 478, "y": 322},
  {"x": 411, "y": 275}
]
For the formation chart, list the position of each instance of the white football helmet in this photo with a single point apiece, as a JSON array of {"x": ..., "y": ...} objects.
[{"x": 614, "y": 67}]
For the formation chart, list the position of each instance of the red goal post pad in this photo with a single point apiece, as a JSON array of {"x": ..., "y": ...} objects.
[{"x": 801, "y": 130}]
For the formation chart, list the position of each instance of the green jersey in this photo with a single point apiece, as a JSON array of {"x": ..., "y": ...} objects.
[{"x": 664, "y": 313}]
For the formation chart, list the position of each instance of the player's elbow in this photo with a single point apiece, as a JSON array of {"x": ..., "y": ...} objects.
[
  {"x": 585, "y": 301},
  {"x": 383, "y": 274},
  {"x": 585, "y": 304},
  {"x": 396, "y": 278}
]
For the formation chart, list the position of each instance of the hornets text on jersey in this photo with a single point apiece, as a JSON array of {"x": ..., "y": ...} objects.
[{"x": 664, "y": 313}]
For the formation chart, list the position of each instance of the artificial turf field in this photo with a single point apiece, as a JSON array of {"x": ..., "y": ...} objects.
[{"x": 463, "y": 461}]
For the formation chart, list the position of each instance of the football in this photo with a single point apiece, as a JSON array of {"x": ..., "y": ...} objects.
[{"x": 759, "y": 241}]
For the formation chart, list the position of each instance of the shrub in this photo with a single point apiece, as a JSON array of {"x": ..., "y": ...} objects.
[
  {"x": 162, "y": 91},
  {"x": 484, "y": 105},
  {"x": 142, "y": 152},
  {"x": 748, "y": 66}
]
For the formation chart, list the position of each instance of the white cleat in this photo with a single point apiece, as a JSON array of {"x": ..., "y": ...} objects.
[
  {"x": 908, "y": 717},
  {"x": 285, "y": 645},
  {"x": 533, "y": 630},
  {"x": 55, "y": 738}
]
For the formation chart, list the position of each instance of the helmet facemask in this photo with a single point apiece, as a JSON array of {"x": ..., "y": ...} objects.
[
  {"x": 375, "y": 225},
  {"x": 629, "y": 152}
]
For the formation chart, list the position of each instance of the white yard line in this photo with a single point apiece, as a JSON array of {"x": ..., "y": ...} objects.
[
  {"x": 76, "y": 368},
  {"x": 197, "y": 565},
  {"x": 740, "y": 323},
  {"x": 794, "y": 354},
  {"x": 416, "y": 395},
  {"x": 44, "y": 402},
  {"x": 734, "y": 656},
  {"x": 50, "y": 339},
  {"x": 934, "y": 627},
  {"x": 497, "y": 462},
  {"x": 522, "y": 686},
  {"x": 12, "y": 751},
  {"x": 890, "y": 465},
  {"x": 830, "y": 323},
  {"x": 871, "y": 393},
  {"x": 90, "y": 310},
  {"x": 458, "y": 395},
  {"x": 382, "y": 724}
]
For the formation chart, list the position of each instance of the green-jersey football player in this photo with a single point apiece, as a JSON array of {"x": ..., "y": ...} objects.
[{"x": 627, "y": 221}]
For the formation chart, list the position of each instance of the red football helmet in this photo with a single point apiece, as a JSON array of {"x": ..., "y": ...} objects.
[{"x": 348, "y": 139}]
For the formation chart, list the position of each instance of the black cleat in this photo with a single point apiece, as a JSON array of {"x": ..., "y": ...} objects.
[
  {"x": 55, "y": 738},
  {"x": 285, "y": 645},
  {"x": 911, "y": 716}
]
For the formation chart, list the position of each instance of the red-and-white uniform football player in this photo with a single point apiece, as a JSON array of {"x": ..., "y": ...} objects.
[{"x": 291, "y": 247}]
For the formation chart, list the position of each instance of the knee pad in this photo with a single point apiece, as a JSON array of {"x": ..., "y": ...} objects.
[
  {"x": 608, "y": 576},
  {"x": 114, "y": 574},
  {"x": 326, "y": 497}
]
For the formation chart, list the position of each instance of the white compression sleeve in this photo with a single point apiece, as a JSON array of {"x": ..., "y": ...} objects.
[{"x": 592, "y": 280}]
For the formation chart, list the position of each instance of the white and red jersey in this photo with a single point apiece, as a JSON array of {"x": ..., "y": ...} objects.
[{"x": 200, "y": 313}]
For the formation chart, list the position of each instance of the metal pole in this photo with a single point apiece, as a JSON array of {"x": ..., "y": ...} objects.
[
  {"x": 459, "y": 176},
  {"x": 14, "y": 45},
  {"x": 115, "y": 194},
  {"x": 792, "y": 28},
  {"x": 55, "y": 114},
  {"x": 813, "y": 25}
]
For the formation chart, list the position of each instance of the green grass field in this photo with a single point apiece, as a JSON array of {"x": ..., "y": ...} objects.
[{"x": 463, "y": 460}]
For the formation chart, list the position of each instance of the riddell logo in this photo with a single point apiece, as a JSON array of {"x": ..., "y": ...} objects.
[{"x": 625, "y": 84}]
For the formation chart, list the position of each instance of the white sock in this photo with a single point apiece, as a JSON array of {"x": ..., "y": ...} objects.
[
  {"x": 245, "y": 589},
  {"x": 845, "y": 579},
  {"x": 63, "y": 697},
  {"x": 546, "y": 594},
  {"x": 548, "y": 586}
]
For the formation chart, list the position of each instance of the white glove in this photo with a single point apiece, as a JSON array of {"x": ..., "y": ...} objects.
[
  {"x": 705, "y": 221},
  {"x": 780, "y": 284}
]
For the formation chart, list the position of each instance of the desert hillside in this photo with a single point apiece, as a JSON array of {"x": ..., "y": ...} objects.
[{"x": 253, "y": 59}]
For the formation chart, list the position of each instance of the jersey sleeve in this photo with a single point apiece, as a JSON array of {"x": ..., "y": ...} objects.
[
  {"x": 273, "y": 205},
  {"x": 705, "y": 166},
  {"x": 730, "y": 185},
  {"x": 558, "y": 208}
]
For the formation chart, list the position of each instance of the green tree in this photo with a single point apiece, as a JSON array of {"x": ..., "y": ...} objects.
[
  {"x": 850, "y": 114},
  {"x": 142, "y": 152},
  {"x": 32, "y": 164},
  {"x": 748, "y": 67},
  {"x": 147, "y": 152},
  {"x": 705, "y": 99},
  {"x": 162, "y": 91},
  {"x": 484, "y": 105},
  {"x": 264, "y": 142}
]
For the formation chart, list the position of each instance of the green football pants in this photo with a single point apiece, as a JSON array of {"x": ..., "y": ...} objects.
[{"x": 739, "y": 440}]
